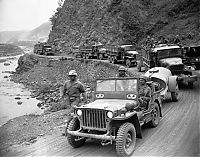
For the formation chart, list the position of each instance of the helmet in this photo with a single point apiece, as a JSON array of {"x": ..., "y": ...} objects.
[
  {"x": 72, "y": 73},
  {"x": 122, "y": 68},
  {"x": 144, "y": 77}
]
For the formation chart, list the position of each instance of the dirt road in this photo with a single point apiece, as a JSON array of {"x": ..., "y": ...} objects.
[{"x": 177, "y": 134}]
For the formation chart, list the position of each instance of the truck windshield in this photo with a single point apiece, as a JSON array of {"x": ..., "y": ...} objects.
[
  {"x": 170, "y": 52},
  {"x": 117, "y": 85}
]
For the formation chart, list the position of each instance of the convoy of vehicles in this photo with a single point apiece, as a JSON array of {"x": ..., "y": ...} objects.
[
  {"x": 115, "y": 116},
  {"x": 43, "y": 49},
  {"x": 171, "y": 57},
  {"x": 192, "y": 56},
  {"x": 115, "y": 54}
]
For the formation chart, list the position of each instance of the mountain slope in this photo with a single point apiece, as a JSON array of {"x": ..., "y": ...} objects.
[{"x": 124, "y": 21}]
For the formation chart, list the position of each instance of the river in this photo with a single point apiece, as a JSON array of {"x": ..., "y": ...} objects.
[{"x": 15, "y": 99}]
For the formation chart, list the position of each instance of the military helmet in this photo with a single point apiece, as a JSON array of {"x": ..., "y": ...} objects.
[
  {"x": 72, "y": 73},
  {"x": 122, "y": 68},
  {"x": 144, "y": 77}
]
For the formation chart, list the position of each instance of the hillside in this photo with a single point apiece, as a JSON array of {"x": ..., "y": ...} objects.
[
  {"x": 125, "y": 21},
  {"x": 23, "y": 37}
]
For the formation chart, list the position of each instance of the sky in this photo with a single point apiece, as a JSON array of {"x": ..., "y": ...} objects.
[{"x": 25, "y": 14}]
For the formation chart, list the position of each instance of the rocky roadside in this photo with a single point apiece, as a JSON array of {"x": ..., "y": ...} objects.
[{"x": 44, "y": 77}]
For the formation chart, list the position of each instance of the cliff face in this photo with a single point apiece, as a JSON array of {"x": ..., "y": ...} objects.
[{"x": 123, "y": 21}]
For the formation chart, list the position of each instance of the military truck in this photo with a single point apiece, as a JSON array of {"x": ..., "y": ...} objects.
[
  {"x": 124, "y": 54},
  {"x": 43, "y": 49},
  {"x": 171, "y": 57},
  {"x": 95, "y": 51},
  {"x": 192, "y": 56},
  {"x": 115, "y": 116}
]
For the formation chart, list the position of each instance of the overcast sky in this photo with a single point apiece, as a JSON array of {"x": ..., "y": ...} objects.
[{"x": 25, "y": 14}]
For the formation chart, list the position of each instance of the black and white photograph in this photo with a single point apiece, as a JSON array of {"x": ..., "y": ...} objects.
[{"x": 100, "y": 78}]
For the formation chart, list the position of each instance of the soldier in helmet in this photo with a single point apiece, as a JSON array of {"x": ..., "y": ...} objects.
[
  {"x": 72, "y": 91},
  {"x": 122, "y": 72},
  {"x": 144, "y": 92}
]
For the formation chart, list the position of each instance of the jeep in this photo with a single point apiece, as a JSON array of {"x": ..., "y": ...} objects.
[{"x": 115, "y": 116}]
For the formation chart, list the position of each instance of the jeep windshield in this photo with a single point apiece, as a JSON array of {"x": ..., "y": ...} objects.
[
  {"x": 168, "y": 53},
  {"x": 117, "y": 85}
]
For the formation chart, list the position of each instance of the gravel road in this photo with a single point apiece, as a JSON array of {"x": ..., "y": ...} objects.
[{"x": 176, "y": 135}]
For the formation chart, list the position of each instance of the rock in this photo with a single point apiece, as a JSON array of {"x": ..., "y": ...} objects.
[
  {"x": 19, "y": 102},
  {"x": 17, "y": 98},
  {"x": 6, "y": 64}
]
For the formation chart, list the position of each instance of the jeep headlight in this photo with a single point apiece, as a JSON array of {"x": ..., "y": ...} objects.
[
  {"x": 79, "y": 112},
  {"x": 110, "y": 114}
]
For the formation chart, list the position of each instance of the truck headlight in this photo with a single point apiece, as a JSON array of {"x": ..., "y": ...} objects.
[
  {"x": 79, "y": 112},
  {"x": 110, "y": 114}
]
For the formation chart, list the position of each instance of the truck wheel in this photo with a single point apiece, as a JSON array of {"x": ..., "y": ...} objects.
[
  {"x": 74, "y": 141},
  {"x": 126, "y": 139},
  {"x": 113, "y": 60},
  {"x": 174, "y": 95},
  {"x": 128, "y": 63},
  {"x": 190, "y": 85},
  {"x": 155, "y": 116},
  {"x": 100, "y": 56},
  {"x": 87, "y": 56}
]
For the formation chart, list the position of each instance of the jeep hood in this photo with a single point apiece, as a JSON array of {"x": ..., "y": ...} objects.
[
  {"x": 108, "y": 104},
  {"x": 171, "y": 61}
]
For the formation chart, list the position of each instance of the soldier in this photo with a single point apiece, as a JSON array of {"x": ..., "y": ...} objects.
[
  {"x": 144, "y": 92},
  {"x": 72, "y": 90},
  {"x": 122, "y": 72},
  {"x": 177, "y": 40}
]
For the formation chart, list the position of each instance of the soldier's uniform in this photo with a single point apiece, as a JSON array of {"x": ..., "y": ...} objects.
[
  {"x": 144, "y": 94},
  {"x": 72, "y": 91}
]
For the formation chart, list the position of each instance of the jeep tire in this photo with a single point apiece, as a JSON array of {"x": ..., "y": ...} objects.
[
  {"x": 155, "y": 116},
  {"x": 126, "y": 139},
  {"x": 73, "y": 140}
]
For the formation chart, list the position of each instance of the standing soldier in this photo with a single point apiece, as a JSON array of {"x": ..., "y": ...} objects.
[
  {"x": 72, "y": 90},
  {"x": 122, "y": 72}
]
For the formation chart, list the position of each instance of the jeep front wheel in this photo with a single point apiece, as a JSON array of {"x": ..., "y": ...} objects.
[
  {"x": 174, "y": 95},
  {"x": 75, "y": 141},
  {"x": 126, "y": 139},
  {"x": 155, "y": 116},
  {"x": 128, "y": 63}
]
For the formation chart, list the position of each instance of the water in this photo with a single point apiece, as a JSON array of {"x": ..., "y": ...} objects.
[{"x": 9, "y": 107}]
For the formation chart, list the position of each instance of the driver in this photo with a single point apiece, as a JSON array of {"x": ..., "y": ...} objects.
[
  {"x": 144, "y": 92},
  {"x": 122, "y": 72}
]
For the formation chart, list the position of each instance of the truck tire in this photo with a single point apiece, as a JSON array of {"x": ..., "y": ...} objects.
[
  {"x": 155, "y": 116},
  {"x": 73, "y": 140},
  {"x": 128, "y": 63},
  {"x": 126, "y": 139},
  {"x": 190, "y": 85},
  {"x": 139, "y": 66},
  {"x": 174, "y": 94},
  {"x": 113, "y": 61}
]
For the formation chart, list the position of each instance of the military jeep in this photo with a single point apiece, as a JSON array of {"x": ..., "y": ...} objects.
[{"x": 115, "y": 116}]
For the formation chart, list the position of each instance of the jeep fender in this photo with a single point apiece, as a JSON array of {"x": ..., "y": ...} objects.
[
  {"x": 132, "y": 118},
  {"x": 172, "y": 83}
]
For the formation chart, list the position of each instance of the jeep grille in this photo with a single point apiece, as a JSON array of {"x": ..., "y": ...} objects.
[
  {"x": 93, "y": 118},
  {"x": 177, "y": 69}
]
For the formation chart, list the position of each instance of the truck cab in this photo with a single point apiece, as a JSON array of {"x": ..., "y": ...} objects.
[
  {"x": 115, "y": 115},
  {"x": 170, "y": 57}
]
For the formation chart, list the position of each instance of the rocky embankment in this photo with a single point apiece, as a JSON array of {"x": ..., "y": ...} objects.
[{"x": 45, "y": 76}]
